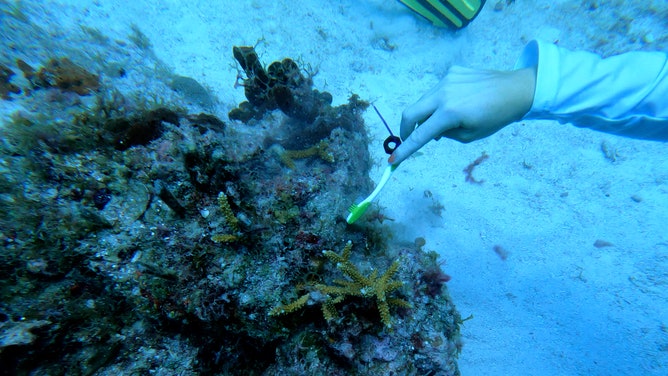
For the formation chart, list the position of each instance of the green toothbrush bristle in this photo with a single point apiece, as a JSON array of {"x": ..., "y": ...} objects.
[{"x": 356, "y": 211}]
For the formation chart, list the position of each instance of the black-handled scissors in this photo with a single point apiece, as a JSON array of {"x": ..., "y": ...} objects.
[{"x": 391, "y": 142}]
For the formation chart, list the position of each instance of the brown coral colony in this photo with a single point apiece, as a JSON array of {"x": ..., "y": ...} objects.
[{"x": 60, "y": 73}]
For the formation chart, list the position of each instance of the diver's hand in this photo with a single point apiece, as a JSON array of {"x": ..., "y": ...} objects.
[{"x": 467, "y": 105}]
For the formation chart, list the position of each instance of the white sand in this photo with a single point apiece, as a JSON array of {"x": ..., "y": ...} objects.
[{"x": 557, "y": 305}]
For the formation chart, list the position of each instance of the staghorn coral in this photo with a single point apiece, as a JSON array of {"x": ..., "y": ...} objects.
[
  {"x": 358, "y": 285},
  {"x": 224, "y": 238},
  {"x": 290, "y": 307},
  {"x": 373, "y": 286},
  {"x": 230, "y": 219},
  {"x": 321, "y": 150},
  {"x": 225, "y": 208}
]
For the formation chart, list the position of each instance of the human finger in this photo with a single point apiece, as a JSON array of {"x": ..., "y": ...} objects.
[
  {"x": 417, "y": 113},
  {"x": 430, "y": 129}
]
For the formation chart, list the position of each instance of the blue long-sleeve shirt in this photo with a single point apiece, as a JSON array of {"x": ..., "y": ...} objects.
[{"x": 625, "y": 94}]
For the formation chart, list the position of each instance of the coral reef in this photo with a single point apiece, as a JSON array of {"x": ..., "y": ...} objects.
[
  {"x": 6, "y": 87},
  {"x": 143, "y": 235}
]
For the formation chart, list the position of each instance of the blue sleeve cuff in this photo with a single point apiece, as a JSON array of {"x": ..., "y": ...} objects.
[
  {"x": 623, "y": 94},
  {"x": 546, "y": 80}
]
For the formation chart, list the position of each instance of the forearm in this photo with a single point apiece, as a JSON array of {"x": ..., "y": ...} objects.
[{"x": 624, "y": 94}]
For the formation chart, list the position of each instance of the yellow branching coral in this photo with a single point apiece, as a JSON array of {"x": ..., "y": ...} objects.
[
  {"x": 290, "y": 307},
  {"x": 230, "y": 219},
  {"x": 224, "y": 205},
  {"x": 373, "y": 286},
  {"x": 321, "y": 149},
  {"x": 224, "y": 238},
  {"x": 357, "y": 285}
]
